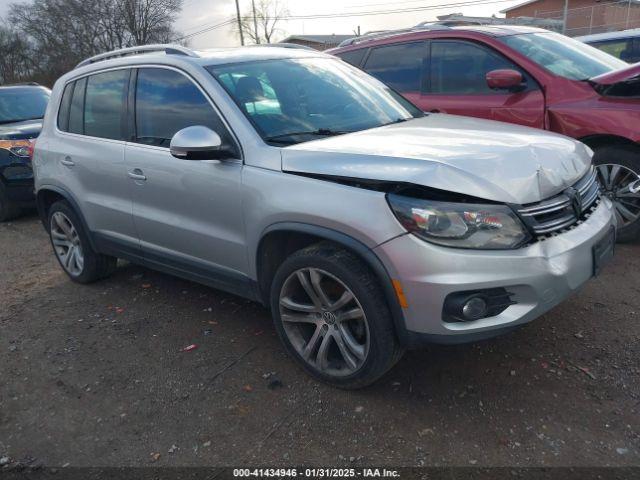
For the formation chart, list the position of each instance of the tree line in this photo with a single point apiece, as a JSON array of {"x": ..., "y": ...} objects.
[{"x": 44, "y": 39}]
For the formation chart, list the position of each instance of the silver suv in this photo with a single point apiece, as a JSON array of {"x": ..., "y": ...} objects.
[{"x": 291, "y": 178}]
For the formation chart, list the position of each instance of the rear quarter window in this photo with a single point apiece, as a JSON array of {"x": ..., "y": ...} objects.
[
  {"x": 77, "y": 106},
  {"x": 354, "y": 57},
  {"x": 65, "y": 105}
]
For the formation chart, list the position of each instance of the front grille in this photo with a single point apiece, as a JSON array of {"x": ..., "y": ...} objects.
[{"x": 564, "y": 210}]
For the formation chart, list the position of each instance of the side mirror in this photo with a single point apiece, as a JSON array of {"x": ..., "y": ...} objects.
[
  {"x": 506, "y": 79},
  {"x": 197, "y": 143}
]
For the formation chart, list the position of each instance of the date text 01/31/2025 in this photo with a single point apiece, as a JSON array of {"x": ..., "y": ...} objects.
[{"x": 316, "y": 472}]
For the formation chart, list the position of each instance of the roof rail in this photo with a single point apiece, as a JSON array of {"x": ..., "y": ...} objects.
[
  {"x": 389, "y": 33},
  {"x": 295, "y": 46},
  {"x": 123, "y": 52}
]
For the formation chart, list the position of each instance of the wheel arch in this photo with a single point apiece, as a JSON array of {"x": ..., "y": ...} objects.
[
  {"x": 47, "y": 195},
  {"x": 281, "y": 239},
  {"x": 604, "y": 140}
]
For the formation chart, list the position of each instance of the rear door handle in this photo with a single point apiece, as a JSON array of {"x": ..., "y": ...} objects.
[
  {"x": 67, "y": 162},
  {"x": 137, "y": 174}
]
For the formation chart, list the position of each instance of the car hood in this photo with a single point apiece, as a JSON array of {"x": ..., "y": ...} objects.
[
  {"x": 482, "y": 158},
  {"x": 631, "y": 72},
  {"x": 20, "y": 130}
]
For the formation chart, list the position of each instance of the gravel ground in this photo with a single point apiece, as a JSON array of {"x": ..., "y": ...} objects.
[{"x": 95, "y": 376}]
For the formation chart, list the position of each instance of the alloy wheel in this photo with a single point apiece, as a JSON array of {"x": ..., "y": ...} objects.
[
  {"x": 66, "y": 243},
  {"x": 619, "y": 183},
  {"x": 324, "y": 322}
]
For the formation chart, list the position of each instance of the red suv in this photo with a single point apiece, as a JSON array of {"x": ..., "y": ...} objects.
[{"x": 521, "y": 75}]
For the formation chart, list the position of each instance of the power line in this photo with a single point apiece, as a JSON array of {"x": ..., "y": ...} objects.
[{"x": 357, "y": 14}]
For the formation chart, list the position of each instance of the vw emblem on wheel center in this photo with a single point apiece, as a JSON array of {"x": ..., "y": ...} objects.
[{"x": 329, "y": 317}]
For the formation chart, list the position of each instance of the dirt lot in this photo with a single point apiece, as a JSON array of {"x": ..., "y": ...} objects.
[{"x": 94, "y": 376}]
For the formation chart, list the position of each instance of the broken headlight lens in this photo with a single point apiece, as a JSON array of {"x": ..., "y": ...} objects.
[{"x": 461, "y": 225}]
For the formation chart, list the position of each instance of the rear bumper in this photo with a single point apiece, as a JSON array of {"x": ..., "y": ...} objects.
[
  {"x": 17, "y": 179},
  {"x": 539, "y": 276}
]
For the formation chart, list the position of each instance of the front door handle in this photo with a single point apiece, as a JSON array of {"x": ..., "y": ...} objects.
[
  {"x": 137, "y": 174},
  {"x": 67, "y": 162}
]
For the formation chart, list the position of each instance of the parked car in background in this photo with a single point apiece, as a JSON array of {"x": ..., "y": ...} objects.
[
  {"x": 521, "y": 75},
  {"x": 22, "y": 108},
  {"x": 624, "y": 45},
  {"x": 289, "y": 177}
]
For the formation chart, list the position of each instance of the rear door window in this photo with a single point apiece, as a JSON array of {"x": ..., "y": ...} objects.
[
  {"x": 399, "y": 66},
  {"x": 166, "y": 102},
  {"x": 104, "y": 106}
]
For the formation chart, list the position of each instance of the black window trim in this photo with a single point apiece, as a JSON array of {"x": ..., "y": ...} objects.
[
  {"x": 132, "y": 113},
  {"x": 426, "y": 92}
]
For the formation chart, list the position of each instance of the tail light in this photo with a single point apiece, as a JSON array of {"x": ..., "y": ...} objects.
[{"x": 31, "y": 148}]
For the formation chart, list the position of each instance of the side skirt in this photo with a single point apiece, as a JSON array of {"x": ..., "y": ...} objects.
[{"x": 218, "y": 278}]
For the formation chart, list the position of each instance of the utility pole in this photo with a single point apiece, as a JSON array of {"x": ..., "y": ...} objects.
[
  {"x": 564, "y": 17},
  {"x": 239, "y": 23},
  {"x": 255, "y": 21}
]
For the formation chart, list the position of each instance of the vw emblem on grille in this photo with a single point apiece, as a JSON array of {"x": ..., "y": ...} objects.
[{"x": 575, "y": 200}]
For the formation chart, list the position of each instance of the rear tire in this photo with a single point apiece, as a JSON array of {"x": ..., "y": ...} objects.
[
  {"x": 8, "y": 210},
  {"x": 72, "y": 247},
  {"x": 348, "y": 346},
  {"x": 618, "y": 167}
]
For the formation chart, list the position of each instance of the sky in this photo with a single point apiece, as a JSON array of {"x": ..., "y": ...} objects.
[{"x": 197, "y": 15}]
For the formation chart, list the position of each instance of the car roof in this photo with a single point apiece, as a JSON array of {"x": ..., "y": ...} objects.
[
  {"x": 634, "y": 32},
  {"x": 169, "y": 54},
  {"x": 219, "y": 56},
  {"x": 433, "y": 31}
]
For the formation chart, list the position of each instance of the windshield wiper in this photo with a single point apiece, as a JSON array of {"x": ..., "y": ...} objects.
[
  {"x": 398, "y": 120},
  {"x": 323, "y": 132}
]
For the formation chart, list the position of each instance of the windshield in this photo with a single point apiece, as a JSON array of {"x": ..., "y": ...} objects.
[
  {"x": 296, "y": 100},
  {"x": 564, "y": 56},
  {"x": 18, "y": 104}
]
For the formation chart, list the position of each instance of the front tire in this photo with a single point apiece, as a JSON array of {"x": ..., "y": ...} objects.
[
  {"x": 618, "y": 169},
  {"x": 72, "y": 247},
  {"x": 330, "y": 314}
]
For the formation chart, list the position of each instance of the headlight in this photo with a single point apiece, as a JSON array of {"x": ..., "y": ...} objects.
[
  {"x": 20, "y": 148},
  {"x": 462, "y": 225}
]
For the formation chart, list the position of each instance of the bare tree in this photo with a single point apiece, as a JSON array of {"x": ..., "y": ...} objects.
[
  {"x": 16, "y": 61},
  {"x": 149, "y": 21},
  {"x": 263, "y": 26},
  {"x": 63, "y": 32}
]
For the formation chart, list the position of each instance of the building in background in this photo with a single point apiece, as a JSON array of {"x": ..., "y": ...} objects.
[
  {"x": 317, "y": 42},
  {"x": 454, "y": 19},
  {"x": 582, "y": 17}
]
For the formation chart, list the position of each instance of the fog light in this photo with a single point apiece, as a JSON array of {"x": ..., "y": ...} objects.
[
  {"x": 475, "y": 308},
  {"x": 472, "y": 305}
]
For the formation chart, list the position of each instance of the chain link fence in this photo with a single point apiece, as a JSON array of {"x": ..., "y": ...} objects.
[{"x": 604, "y": 17}]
